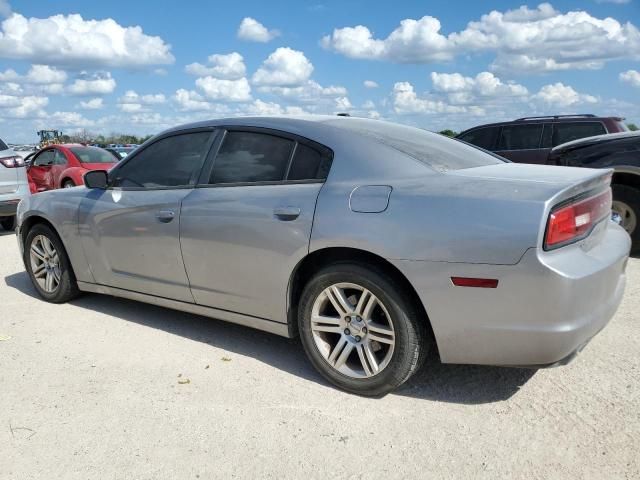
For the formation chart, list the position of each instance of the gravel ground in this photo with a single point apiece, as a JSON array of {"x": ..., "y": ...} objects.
[{"x": 113, "y": 389}]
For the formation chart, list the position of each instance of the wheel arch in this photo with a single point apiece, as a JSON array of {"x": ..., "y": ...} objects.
[
  {"x": 33, "y": 220},
  {"x": 318, "y": 259},
  {"x": 627, "y": 176}
]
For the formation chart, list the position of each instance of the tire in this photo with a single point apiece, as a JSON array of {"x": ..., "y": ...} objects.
[
  {"x": 64, "y": 286},
  {"x": 393, "y": 311},
  {"x": 8, "y": 223},
  {"x": 68, "y": 184},
  {"x": 626, "y": 202}
]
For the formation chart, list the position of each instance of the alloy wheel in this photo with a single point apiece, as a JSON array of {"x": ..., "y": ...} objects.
[
  {"x": 45, "y": 263},
  {"x": 352, "y": 330},
  {"x": 629, "y": 218}
]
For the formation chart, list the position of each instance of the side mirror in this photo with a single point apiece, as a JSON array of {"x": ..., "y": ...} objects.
[{"x": 96, "y": 179}]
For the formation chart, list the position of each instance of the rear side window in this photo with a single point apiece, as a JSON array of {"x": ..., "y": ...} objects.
[
  {"x": 566, "y": 132},
  {"x": 247, "y": 157},
  {"x": 92, "y": 155},
  {"x": 309, "y": 164},
  {"x": 520, "y": 137},
  {"x": 170, "y": 162},
  {"x": 482, "y": 137}
]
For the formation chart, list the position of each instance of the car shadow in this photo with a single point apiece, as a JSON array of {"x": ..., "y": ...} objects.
[{"x": 461, "y": 384}]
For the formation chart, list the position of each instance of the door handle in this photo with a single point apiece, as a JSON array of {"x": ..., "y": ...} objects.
[
  {"x": 165, "y": 216},
  {"x": 286, "y": 214}
]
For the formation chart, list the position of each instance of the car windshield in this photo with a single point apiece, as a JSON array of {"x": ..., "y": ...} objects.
[
  {"x": 434, "y": 150},
  {"x": 92, "y": 155}
]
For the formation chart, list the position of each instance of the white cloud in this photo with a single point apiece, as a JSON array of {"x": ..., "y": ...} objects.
[
  {"x": 561, "y": 95},
  {"x": 484, "y": 84},
  {"x": 284, "y": 67},
  {"x": 44, "y": 74},
  {"x": 227, "y": 67},
  {"x": 70, "y": 119},
  {"x": 72, "y": 40},
  {"x": 100, "y": 83},
  {"x": 632, "y": 77},
  {"x": 343, "y": 104},
  {"x": 370, "y": 84},
  {"x": 22, "y": 107},
  {"x": 92, "y": 104},
  {"x": 310, "y": 91},
  {"x": 406, "y": 101},
  {"x": 225, "y": 90},
  {"x": 131, "y": 101},
  {"x": 191, "y": 101},
  {"x": 525, "y": 40},
  {"x": 9, "y": 75},
  {"x": 259, "y": 107},
  {"x": 253, "y": 31}
]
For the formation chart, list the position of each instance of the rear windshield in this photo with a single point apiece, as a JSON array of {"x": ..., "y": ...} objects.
[
  {"x": 434, "y": 150},
  {"x": 93, "y": 155}
]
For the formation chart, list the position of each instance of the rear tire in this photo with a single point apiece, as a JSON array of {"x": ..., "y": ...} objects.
[
  {"x": 371, "y": 345},
  {"x": 8, "y": 223},
  {"x": 626, "y": 202},
  {"x": 48, "y": 265},
  {"x": 68, "y": 184}
]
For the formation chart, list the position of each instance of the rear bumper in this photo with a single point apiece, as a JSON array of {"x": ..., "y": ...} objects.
[{"x": 545, "y": 309}]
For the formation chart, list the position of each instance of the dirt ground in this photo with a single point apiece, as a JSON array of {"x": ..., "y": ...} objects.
[{"x": 104, "y": 388}]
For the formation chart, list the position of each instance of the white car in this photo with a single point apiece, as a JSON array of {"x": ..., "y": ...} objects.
[{"x": 14, "y": 185}]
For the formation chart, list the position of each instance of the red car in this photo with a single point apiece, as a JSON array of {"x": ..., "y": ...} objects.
[{"x": 64, "y": 166}]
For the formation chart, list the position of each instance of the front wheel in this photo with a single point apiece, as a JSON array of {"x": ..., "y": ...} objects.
[
  {"x": 8, "y": 223},
  {"x": 48, "y": 265},
  {"x": 359, "y": 330},
  {"x": 626, "y": 203}
]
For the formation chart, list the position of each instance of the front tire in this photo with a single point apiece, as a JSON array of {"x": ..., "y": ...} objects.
[
  {"x": 8, "y": 223},
  {"x": 626, "y": 203},
  {"x": 359, "y": 330},
  {"x": 48, "y": 265}
]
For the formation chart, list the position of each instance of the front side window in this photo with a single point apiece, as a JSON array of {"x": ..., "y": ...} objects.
[
  {"x": 247, "y": 157},
  {"x": 520, "y": 137},
  {"x": 482, "y": 137},
  {"x": 170, "y": 162},
  {"x": 44, "y": 159},
  {"x": 566, "y": 132}
]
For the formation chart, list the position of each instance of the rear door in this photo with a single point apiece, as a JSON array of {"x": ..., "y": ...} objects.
[
  {"x": 40, "y": 170},
  {"x": 131, "y": 231},
  {"x": 521, "y": 143},
  {"x": 248, "y": 224},
  {"x": 567, "y": 131}
]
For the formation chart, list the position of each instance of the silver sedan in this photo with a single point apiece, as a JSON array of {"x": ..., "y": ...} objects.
[{"x": 373, "y": 242}]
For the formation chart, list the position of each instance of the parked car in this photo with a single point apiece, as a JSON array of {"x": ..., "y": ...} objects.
[
  {"x": 620, "y": 151},
  {"x": 418, "y": 242},
  {"x": 13, "y": 185},
  {"x": 530, "y": 139},
  {"x": 63, "y": 166},
  {"x": 120, "y": 152},
  {"x": 114, "y": 152}
]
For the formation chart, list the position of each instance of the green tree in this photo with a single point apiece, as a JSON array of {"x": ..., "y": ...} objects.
[
  {"x": 632, "y": 126},
  {"x": 448, "y": 133}
]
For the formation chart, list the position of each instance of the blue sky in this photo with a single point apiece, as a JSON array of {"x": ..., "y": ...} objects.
[{"x": 140, "y": 67}]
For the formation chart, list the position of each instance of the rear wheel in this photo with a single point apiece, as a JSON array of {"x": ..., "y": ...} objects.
[
  {"x": 359, "y": 330},
  {"x": 8, "y": 223},
  {"x": 48, "y": 265},
  {"x": 68, "y": 184},
  {"x": 626, "y": 203}
]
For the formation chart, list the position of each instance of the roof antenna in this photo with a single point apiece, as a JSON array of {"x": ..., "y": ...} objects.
[{"x": 343, "y": 114}]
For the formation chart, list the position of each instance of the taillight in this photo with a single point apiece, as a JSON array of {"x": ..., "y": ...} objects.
[
  {"x": 573, "y": 222},
  {"x": 12, "y": 162}
]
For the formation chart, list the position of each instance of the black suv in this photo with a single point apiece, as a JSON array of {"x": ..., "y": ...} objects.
[
  {"x": 529, "y": 140},
  {"x": 621, "y": 152}
]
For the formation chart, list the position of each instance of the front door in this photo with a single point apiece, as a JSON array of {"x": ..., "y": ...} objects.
[
  {"x": 248, "y": 225},
  {"x": 131, "y": 231},
  {"x": 40, "y": 170}
]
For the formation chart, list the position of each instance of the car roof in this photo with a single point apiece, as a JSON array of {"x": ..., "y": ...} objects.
[
  {"x": 545, "y": 119},
  {"x": 596, "y": 139}
]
